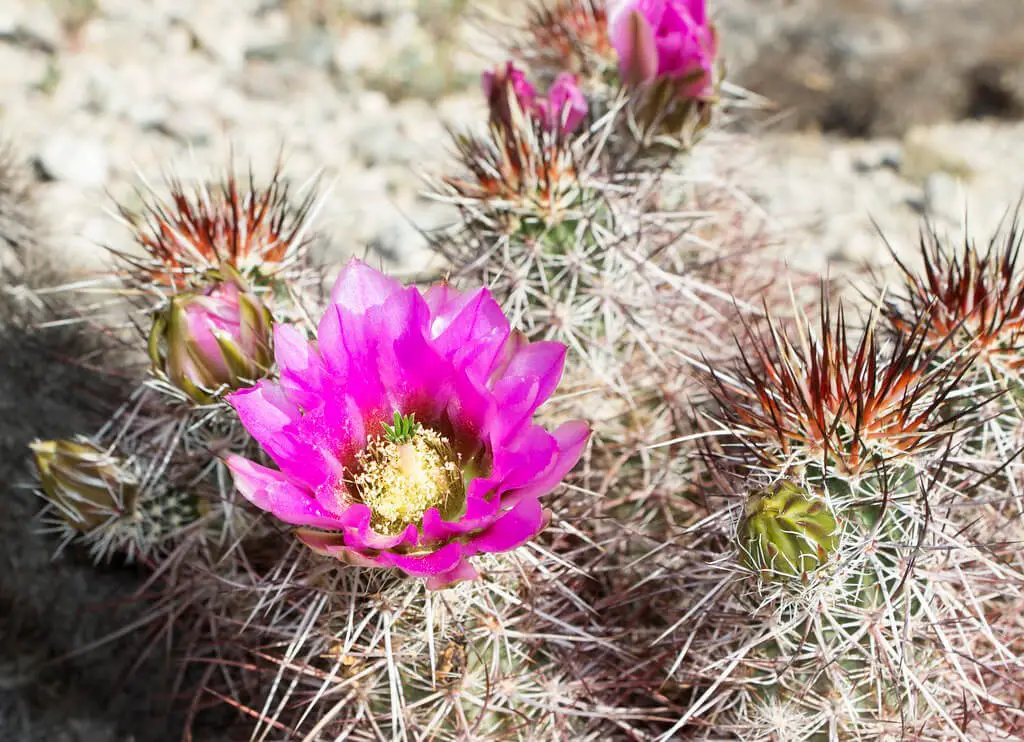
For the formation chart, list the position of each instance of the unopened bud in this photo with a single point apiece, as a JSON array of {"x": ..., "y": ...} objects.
[
  {"x": 88, "y": 485},
  {"x": 787, "y": 532},
  {"x": 205, "y": 343}
]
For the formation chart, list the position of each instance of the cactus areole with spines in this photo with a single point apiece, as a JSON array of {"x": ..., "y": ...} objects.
[{"x": 787, "y": 532}]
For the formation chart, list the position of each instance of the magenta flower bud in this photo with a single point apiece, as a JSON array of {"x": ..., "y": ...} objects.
[
  {"x": 404, "y": 436},
  {"x": 206, "y": 342},
  {"x": 665, "y": 39},
  {"x": 566, "y": 107},
  {"x": 506, "y": 86}
]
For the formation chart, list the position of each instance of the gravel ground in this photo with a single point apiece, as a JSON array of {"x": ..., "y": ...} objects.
[
  {"x": 103, "y": 93},
  {"x": 878, "y": 67},
  {"x": 98, "y": 94}
]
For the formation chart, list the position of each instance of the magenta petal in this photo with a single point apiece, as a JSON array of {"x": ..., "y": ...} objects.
[
  {"x": 443, "y": 560},
  {"x": 517, "y": 340},
  {"x": 360, "y": 287},
  {"x": 407, "y": 373},
  {"x": 203, "y": 328},
  {"x": 480, "y": 513},
  {"x": 473, "y": 414},
  {"x": 297, "y": 444},
  {"x": 571, "y": 438},
  {"x": 340, "y": 424},
  {"x": 513, "y": 529},
  {"x": 468, "y": 329},
  {"x": 633, "y": 39},
  {"x": 697, "y": 10},
  {"x": 567, "y": 104},
  {"x": 301, "y": 367},
  {"x": 264, "y": 411},
  {"x": 531, "y": 376},
  {"x": 543, "y": 361},
  {"x": 519, "y": 461},
  {"x": 462, "y": 572},
  {"x": 347, "y": 349},
  {"x": 272, "y": 491},
  {"x": 359, "y": 534}
]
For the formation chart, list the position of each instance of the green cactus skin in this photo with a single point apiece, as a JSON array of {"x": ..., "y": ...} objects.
[{"x": 787, "y": 532}]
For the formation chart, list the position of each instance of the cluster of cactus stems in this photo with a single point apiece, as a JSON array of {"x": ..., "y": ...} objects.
[{"x": 744, "y": 515}]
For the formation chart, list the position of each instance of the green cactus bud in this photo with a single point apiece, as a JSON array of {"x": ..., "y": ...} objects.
[
  {"x": 88, "y": 485},
  {"x": 206, "y": 342},
  {"x": 787, "y": 532},
  {"x": 172, "y": 511}
]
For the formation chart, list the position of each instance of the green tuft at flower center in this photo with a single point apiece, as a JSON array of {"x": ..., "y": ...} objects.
[{"x": 402, "y": 477}]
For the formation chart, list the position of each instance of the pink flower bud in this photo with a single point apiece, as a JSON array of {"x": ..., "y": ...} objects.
[
  {"x": 664, "y": 39},
  {"x": 205, "y": 342},
  {"x": 566, "y": 105},
  {"x": 506, "y": 87}
]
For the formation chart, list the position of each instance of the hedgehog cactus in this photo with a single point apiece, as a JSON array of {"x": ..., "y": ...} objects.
[
  {"x": 865, "y": 644},
  {"x": 360, "y": 524}
]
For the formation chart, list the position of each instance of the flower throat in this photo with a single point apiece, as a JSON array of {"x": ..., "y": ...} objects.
[{"x": 406, "y": 472}]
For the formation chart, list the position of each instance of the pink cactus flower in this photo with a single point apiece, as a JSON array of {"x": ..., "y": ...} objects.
[
  {"x": 403, "y": 435},
  {"x": 563, "y": 109},
  {"x": 659, "y": 39}
]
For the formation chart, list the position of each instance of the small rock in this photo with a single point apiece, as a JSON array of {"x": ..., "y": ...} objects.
[
  {"x": 885, "y": 153},
  {"x": 193, "y": 126},
  {"x": 943, "y": 196},
  {"x": 359, "y": 49},
  {"x": 381, "y": 142},
  {"x": 924, "y": 153},
  {"x": 72, "y": 159}
]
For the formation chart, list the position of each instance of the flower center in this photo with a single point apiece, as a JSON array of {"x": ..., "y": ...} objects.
[{"x": 405, "y": 473}]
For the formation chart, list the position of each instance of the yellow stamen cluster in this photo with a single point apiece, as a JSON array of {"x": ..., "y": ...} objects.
[{"x": 401, "y": 481}]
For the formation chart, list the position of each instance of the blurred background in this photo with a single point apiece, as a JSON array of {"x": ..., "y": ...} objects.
[{"x": 882, "y": 110}]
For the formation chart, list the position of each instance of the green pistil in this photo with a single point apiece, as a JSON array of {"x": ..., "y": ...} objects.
[{"x": 403, "y": 430}]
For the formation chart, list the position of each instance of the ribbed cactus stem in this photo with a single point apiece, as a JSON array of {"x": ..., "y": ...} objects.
[{"x": 787, "y": 532}]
